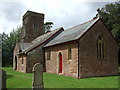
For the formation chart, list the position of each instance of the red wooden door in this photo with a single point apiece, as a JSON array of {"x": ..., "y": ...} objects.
[{"x": 60, "y": 63}]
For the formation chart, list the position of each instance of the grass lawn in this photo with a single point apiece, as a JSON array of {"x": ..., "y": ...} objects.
[{"x": 24, "y": 80}]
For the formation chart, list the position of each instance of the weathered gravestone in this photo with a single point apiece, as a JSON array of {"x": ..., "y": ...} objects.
[
  {"x": 37, "y": 76},
  {"x": 3, "y": 79},
  {"x": 0, "y": 78}
]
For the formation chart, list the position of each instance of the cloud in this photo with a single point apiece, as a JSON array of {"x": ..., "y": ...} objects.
[
  {"x": 10, "y": 13},
  {"x": 68, "y": 14},
  {"x": 63, "y": 13}
]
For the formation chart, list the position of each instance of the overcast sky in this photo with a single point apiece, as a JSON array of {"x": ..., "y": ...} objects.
[{"x": 63, "y": 13}]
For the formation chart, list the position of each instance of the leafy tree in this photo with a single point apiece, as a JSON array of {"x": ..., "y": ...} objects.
[
  {"x": 8, "y": 44},
  {"x": 110, "y": 14},
  {"x": 48, "y": 26}
]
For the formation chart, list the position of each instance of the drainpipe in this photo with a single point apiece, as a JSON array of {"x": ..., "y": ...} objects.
[{"x": 78, "y": 59}]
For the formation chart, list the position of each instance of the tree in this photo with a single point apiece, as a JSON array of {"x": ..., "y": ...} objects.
[
  {"x": 110, "y": 14},
  {"x": 48, "y": 26},
  {"x": 8, "y": 44}
]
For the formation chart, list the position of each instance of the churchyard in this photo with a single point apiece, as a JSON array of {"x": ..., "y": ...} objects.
[{"x": 24, "y": 80}]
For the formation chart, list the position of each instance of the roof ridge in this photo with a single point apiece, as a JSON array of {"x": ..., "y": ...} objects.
[
  {"x": 47, "y": 33},
  {"x": 31, "y": 47},
  {"x": 81, "y": 24}
]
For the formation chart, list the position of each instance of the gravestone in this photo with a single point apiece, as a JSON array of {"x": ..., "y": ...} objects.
[
  {"x": 0, "y": 78},
  {"x": 3, "y": 79},
  {"x": 37, "y": 76},
  {"x": 0, "y": 61}
]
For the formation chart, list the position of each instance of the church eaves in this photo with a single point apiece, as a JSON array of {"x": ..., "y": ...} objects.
[
  {"x": 73, "y": 33},
  {"x": 41, "y": 40}
]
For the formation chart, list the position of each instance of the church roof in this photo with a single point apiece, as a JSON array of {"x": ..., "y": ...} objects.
[
  {"x": 71, "y": 34},
  {"x": 23, "y": 45},
  {"x": 41, "y": 40}
]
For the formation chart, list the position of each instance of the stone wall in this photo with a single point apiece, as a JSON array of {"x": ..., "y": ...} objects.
[
  {"x": 19, "y": 61},
  {"x": 90, "y": 65},
  {"x": 33, "y": 57},
  {"x": 15, "y": 57},
  {"x": 22, "y": 63},
  {"x": 25, "y": 63},
  {"x": 70, "y": 67}
]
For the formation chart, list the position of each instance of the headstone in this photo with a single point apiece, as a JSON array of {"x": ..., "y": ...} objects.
[
  {"x": 0, "y": 61},
  {"x": 37, "y": 76},
  {"x": 3, "y": 79},
  {"x": 0, "y": 78}
]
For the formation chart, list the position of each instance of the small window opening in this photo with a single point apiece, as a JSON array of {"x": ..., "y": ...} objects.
[
  {"x": 48, "y": 55},
  {"x": 100, "y": 48},
  {"x": 69, "y": 54}
]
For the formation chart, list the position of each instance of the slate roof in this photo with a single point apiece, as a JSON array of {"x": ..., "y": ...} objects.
[
  {"x": 40, "y": 40},
  {"x": 23, "y": 46},
  {"x": 72, "y": 33}
]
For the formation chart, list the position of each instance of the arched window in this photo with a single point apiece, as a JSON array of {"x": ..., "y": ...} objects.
[
  {"x": 100, "y": 47},
  {"x": 22, "y": 60},
  {"x": 20, "y": 50}
]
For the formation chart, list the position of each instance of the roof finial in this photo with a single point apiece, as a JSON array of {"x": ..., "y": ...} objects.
[
  {"x": 98, "y": 10},
  {"x": 98, "y": 15}
]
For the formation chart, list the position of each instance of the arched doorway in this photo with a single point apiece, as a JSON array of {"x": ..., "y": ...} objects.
[
  {"x": 15, "y": 63},
  {"x": 60, "y": 62}
]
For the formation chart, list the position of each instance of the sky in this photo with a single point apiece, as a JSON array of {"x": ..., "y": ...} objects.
[{"x": 63, "y": 13}]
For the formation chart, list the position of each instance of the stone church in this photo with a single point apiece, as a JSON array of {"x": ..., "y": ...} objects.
[{"x": 85, "y": 50}]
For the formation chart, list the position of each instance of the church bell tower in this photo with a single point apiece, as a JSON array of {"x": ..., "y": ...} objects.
[{"x": 33, "y": 26}]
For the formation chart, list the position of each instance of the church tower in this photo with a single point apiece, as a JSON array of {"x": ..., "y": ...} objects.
[{"x": 33, "y": 26}]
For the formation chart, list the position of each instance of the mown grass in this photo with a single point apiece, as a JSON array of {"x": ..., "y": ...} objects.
[{"x": 24, "y": 80}]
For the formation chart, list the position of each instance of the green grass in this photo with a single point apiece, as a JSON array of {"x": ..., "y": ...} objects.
[{"x": 24, "y": 80}]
